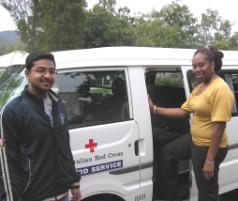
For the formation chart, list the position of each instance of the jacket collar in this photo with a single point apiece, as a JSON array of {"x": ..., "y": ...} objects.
[{"x": 52, "y": 95}]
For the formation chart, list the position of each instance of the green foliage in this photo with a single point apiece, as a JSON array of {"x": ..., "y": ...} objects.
[
  {"x": 174, "y": 24},
  {"x": 21, "y": 12},
  {"x": 108, "y": 5},
  {"x": 106, "y": 28},
  {"x": 234, "y": 42},
  {"x": 49, "y": 25},
  {"x": 15, "y": 47},
  {"x": 62, "y": 24},
  {"x": 169, "y": 82},
  {"x": 143, "y": 32},
  {"x": 173, "y": 79},
  {"x": 214, "y": 30}
]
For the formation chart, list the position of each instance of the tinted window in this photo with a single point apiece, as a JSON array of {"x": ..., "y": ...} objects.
[
  {"x": 231, "y": 79},
  {"x": 9, "y": 81},
  {"x": 95, "y": 97},
  {"x": 164, "y": 78}
]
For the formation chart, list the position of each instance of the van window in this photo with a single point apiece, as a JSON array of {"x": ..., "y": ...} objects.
[
  {"x": 95, "y": 97},
  {"x": 166, "y": 89},
  {"x": 231, "y": 79},
  {"x": 169, "y": 79},
  {"x": 9, "y": 81}
]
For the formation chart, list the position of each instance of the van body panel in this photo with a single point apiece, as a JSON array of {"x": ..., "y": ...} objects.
[
  {"x": 113, "y": 149},
  {"x": 116, "y": 157}
]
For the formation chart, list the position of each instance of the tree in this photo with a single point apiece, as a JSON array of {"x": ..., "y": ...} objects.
[
  {"x": 67, "y": 24},
  {"x": 173, "y": 26},
  {"x": 234, "y": 41},
  {"x": 105, "y": 27},
  {"x": 108, "y": 5},
  {"x": 49, "y": 25},
  {"x": 214, "y": 30},
  {"x": 24, "y": 14},
  {"x": 61, "y": 25},
  {"x": 178, "y": 18},
  {"x": 143, "y": 31}
]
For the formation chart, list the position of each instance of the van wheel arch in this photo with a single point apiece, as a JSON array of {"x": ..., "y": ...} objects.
[{"x": 104, "y": 197}]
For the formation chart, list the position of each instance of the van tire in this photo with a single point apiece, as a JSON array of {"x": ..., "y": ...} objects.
[{"x": 104, "y": 197}]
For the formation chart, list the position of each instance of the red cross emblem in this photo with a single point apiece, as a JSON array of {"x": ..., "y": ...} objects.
[{"x": 91, "y": 145}]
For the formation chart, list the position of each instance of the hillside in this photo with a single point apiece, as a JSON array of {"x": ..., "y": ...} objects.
[{"x": 8, "y": 38}]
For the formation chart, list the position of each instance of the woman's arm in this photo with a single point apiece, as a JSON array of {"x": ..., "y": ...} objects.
[
  {"x": 169, "y": 112},
  {"x": 218, "y": 130}
]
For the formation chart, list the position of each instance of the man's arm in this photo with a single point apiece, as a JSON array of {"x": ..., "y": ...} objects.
[{"x": 11, "y": 170}]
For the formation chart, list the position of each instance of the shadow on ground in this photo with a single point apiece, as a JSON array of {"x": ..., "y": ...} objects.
[{"x": 231, "y": 196}]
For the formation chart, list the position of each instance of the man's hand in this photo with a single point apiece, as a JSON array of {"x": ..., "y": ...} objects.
[
  {"x": 76, "y": 194},
  {"x": 1, "y": 142}
]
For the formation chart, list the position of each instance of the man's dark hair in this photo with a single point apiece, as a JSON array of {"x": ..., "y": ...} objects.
[{"x": 35, "y": 56}]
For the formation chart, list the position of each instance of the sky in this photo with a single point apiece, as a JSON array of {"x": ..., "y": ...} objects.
[
  {"x": 226, "y": 8},
  {"x": 6, "y": 22}
]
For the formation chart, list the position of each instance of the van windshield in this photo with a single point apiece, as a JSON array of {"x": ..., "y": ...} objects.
[{"x": 9, "y": 82}]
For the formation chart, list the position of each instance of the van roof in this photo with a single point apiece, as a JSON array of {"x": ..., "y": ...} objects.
[
  {"x": 119, "y": 56},
  {"x": 13, "y": 58},
  {"x": 136, "y": 56}
]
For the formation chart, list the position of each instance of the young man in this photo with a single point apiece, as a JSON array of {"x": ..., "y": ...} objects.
[{"x": 37, "y": 162}]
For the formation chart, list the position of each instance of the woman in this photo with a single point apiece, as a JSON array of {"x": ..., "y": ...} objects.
[{"x": 210, "y": 102}]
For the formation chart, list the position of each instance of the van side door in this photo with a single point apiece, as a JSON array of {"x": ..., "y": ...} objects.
[{"x": 102, "y": 129}]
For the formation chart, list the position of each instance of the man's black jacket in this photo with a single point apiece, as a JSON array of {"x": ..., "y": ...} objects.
[{"x": 38, "y": 155}]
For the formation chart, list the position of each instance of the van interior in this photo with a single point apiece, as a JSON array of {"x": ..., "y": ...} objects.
[{"x": 166, "y": 90}]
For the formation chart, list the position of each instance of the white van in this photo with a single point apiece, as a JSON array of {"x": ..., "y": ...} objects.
[
  {"x": 13, "y": 58},
  {"x": 105, "y": 93}
]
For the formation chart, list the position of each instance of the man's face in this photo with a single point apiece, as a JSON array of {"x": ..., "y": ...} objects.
[{"x": 41, "y": 77}]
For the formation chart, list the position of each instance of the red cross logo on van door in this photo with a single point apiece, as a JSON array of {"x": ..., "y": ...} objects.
[{"x": 91, "y": 145}]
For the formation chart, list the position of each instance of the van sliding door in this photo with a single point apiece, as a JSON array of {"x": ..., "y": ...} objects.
[{"x": 102, "y": 129}]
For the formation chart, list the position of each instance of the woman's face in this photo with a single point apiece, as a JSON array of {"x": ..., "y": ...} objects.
[{"x": 203, "y": 69}]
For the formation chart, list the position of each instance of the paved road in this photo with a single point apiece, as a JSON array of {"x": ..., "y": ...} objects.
[{"x": 231, "y": 196}]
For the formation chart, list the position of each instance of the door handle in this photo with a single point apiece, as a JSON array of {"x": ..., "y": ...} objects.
[{"x": 136, "y": 147}]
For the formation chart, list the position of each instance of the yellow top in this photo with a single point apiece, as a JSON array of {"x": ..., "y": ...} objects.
[{"x": 214, "y": 104}]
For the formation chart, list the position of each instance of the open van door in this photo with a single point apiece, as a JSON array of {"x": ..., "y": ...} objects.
[{"x": 228, "y": 178}]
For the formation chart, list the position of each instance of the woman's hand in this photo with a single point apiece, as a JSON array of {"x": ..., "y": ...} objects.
[
  {"x": 151, "y": 104},
  {"x": 208, "y": 169},
  {"x": 209, "y": 165}
]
